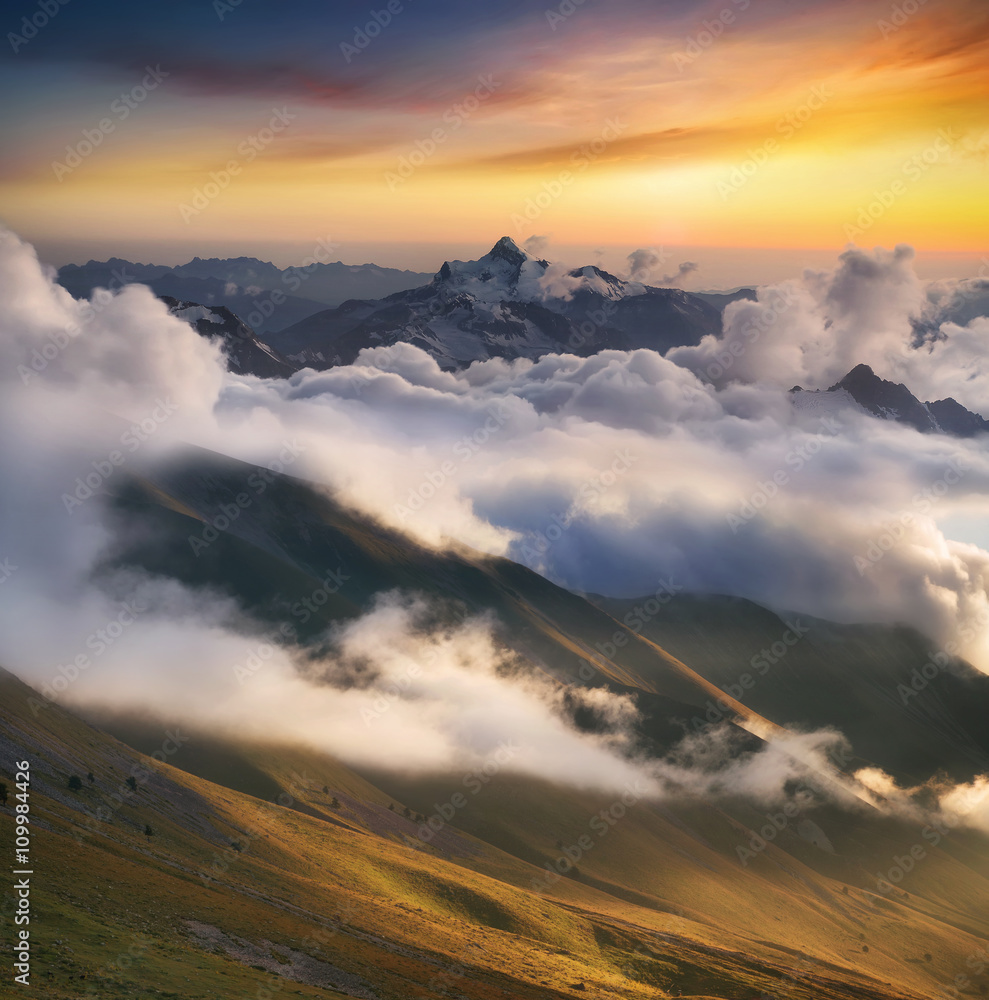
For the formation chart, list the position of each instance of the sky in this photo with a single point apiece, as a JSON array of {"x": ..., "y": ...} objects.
[
  {"x": 787, "y": 128},
  {"x": 833, "y": 152}
]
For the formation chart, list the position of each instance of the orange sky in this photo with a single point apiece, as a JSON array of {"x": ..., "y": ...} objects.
[{"x": 801, "y": 125}]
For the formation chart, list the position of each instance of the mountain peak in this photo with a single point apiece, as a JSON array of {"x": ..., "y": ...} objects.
[
  {"x": 501, "y": 267},
  {"x": 890, "y": 400},
  {"x": 507, "y": 249},
  {"x": 894, "y": 401},
  {"x": 861, "y": 371}
]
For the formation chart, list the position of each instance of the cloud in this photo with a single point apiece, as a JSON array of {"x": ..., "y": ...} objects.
[
  {"x": 606, "y": 473},
  {"x": 643, "y": 265},
  {"x": 683, "y": 271},
  {"x": 538, "y": 246},
  {"x": 813, "y": 330},
  {"x": 383, "y": 691},
  {"x": 643, "y": 262},
  {"x": 952, "y": 805},
  {"x": 871, "y": 309}
]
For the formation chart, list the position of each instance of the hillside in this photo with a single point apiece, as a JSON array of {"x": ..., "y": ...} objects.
[
  {"x": 677, "y": 659},
  {"x": 323, "y": 901},
  {"x": 268, "y": 861}
]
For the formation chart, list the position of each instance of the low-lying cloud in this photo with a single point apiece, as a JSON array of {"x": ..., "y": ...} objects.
[{"x": 607, "y": 474}]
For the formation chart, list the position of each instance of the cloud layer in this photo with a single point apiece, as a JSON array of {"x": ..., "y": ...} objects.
[{"x": 607, "y": 473}]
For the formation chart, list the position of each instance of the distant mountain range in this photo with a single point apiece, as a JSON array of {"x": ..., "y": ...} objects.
[
  {"x": 508, "y": 304},
  {"x": 263, "y": 295},
  {"x": 894, "y": 401}
]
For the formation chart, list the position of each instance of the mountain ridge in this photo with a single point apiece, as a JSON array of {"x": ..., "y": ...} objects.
[
  {"x": 894, "y": 401},
  {"x": 506, "y": 304},
  {"x": 265, "y": 296}
]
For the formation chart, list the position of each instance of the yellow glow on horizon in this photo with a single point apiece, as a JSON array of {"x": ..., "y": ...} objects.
[{"x": 816, "y": 126}]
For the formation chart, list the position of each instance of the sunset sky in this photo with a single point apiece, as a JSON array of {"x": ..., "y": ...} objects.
[{"x": 777, "y": 127}]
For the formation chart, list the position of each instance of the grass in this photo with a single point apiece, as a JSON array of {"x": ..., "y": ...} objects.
[{"x": 661, "y": 904}]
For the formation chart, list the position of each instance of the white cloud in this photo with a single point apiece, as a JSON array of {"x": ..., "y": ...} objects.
[{"x": 607, "y": 473}]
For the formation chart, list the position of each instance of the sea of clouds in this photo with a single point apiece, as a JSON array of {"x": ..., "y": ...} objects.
[{"x": 607, "y": 474}]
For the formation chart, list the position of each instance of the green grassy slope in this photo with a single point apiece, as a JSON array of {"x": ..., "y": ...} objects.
[
  {"x": 356, "y": 899},
  {"x": 254, "y": 879}
]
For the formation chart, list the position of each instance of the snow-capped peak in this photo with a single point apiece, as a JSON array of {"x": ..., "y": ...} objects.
[{"x": 499, "y": 270}]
